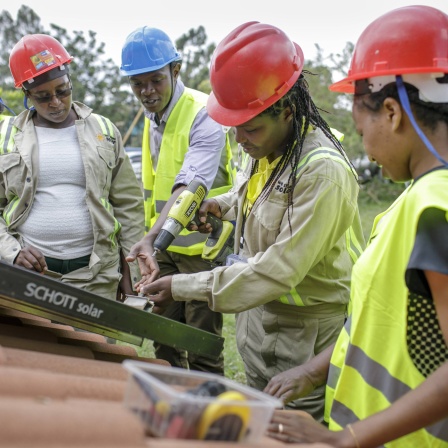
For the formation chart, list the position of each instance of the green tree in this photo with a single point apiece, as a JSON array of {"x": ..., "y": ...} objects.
[
  {"x": 196, "y": 56},
  {"x": 335, "y": 107}
]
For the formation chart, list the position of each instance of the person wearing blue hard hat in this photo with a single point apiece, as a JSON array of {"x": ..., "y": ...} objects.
[{"x": 181, "y": 143}]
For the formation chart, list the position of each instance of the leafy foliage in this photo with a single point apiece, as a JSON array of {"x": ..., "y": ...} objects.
[
  {"x": 335, "y": 107},
  {"x": 196, "y": 56}
]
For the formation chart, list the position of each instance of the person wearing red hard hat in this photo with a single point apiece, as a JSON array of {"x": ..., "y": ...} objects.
[
  {"x": 387, "y": 374},
  {"x": 298, "y": 230},
  {"x": 69, "y": 199}
]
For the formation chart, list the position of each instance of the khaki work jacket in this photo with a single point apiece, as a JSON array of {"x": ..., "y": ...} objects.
[
  {"x": 302, "y": 260},
  {"x": 113, "y": 194}
]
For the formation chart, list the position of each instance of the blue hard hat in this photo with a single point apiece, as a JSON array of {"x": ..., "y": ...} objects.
[{"x": 145, "y": 50}]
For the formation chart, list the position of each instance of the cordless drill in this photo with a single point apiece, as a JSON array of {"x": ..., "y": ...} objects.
[{"x": 219, "y": 244}]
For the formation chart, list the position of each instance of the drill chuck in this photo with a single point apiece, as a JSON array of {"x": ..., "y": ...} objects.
[
  {"x": 170, "y": 230},
  {"x": 180, "y": 215},
  {"x": 185, "y": 210}
]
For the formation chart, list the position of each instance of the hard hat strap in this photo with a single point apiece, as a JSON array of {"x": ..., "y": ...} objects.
[
  {"x": 6, "y": 107},
  {"x": 25, "y": 103},
  {"x": 402, "y": 94}
]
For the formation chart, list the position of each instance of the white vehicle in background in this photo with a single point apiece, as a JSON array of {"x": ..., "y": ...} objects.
[{"x": 135, "y": 156}]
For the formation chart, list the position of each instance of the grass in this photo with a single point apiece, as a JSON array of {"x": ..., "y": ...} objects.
[
  {"x": 374, "y": 198},
  {"x": 233, "y": 363}
]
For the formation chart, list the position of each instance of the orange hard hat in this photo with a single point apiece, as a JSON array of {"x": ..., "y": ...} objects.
[
  {"x": 411, "y": 41},
  {"x": 251, "y": 68},
  {"x": 34, "y": 55}
]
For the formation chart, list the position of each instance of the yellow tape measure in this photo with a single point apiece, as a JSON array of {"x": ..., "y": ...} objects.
[{"x": 225, "y": 419}]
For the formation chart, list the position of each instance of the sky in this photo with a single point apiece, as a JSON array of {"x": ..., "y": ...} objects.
[{"x": 330, "y": 23}]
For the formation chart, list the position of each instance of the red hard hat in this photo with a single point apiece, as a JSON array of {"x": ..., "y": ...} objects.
[
  {"x": 34, "y": 55},
  {"x": 251, "y": 68},
  {"x": 408, "y": 40}
]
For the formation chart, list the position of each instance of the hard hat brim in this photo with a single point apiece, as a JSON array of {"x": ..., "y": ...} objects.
[{"x": 347, "y": 85}]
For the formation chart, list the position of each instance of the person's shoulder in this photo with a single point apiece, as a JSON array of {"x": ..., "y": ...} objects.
[
  {"x": 196, "y": 94},
  {"x": 86, "y": 113},
  {"x": 82, "y": 110},
  {"x": 18, "y": 121}
]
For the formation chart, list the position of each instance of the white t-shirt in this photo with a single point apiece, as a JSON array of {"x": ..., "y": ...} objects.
[{"x": 59, "y": 223}]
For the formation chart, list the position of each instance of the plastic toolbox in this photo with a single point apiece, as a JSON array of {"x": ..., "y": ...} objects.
[{"x": 186, "y": 404}]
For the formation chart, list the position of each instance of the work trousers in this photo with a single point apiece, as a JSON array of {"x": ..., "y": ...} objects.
[
  {"x": 195, "y": 313},
  {"x": 275, "y": 337},
  {"x": 66, "y": 266},
  {"x": 102, "y": 278}
]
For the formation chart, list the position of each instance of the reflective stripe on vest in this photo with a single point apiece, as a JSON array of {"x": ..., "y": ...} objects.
[
  {"x": 9, "y": 210},
  {"x": 157, "y": 185},
  {"x": 378, "y": 378},
  {"x": 117, "y": 226},
  {"x": 354, "y": 248},
  {"x": 337, "y": 360},
  {"x": 7, "y": 135},
  {"x": 370, "y": 367},
  {"x": 108, "y": 131},
  {"x": 106, "y": 126}
]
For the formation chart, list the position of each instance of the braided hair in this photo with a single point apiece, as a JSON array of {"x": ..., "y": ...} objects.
[{"x": 305, "y": 113}]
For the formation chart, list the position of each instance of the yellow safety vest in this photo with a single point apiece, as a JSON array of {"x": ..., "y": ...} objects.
[
  {"x": 370, "y": 367},
  {"x": 158, "y": 184}
]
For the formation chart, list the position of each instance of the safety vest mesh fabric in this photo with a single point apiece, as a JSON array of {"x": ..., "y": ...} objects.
[
  {"x": 370, "y": 366},
  {"x": 157, "y": 184},
  {"x": 353, "y": 245}
]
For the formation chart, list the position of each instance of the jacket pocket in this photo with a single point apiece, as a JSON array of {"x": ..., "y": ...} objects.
[
  {"x": 106, "y": 164},
  {"x": 12, "y": 169},
  {"x": 269, "y": 216}
]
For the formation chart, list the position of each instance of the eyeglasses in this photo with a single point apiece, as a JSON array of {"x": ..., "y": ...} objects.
[{"x": 47, "y": 98}]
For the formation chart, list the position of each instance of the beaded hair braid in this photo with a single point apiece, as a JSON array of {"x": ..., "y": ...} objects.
[{"x": 305, "y": 113}]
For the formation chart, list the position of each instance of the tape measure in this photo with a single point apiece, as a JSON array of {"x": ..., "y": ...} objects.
[{"x": 225, "y": 419}]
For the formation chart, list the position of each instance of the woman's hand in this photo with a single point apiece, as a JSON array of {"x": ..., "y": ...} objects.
[
  {"x": 143, "y": 252},
  {"x": 300, "y": 381},
  {"x": 291, "y": 384},
  {"x": 31, "y": 258},
  {"x": 159, "y": 292},
  {"x": 125, "y": 285},
  {"x": 208, "y": 206},
  {"x": 297, "y": 427}
]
